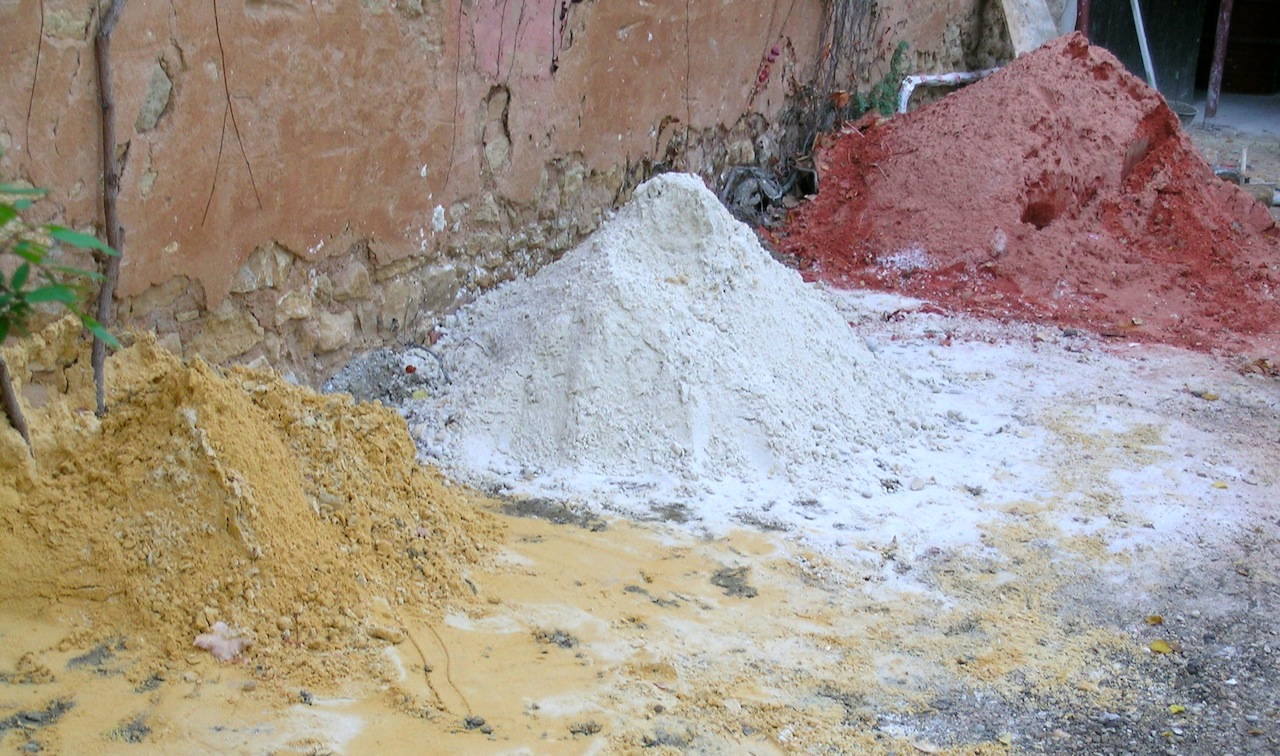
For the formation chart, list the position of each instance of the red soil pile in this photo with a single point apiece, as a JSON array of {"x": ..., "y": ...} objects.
[{"x": 1059, "y": 189}]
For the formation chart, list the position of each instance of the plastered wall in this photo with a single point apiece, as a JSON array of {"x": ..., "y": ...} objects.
[{"x": 307, "y": 178}]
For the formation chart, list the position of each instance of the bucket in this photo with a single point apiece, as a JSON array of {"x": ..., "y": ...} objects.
[{"x": 1186, "y": 112}]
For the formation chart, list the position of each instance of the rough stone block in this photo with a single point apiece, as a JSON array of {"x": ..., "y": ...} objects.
[
  {"x": 226, "y": 332},
  {"x": 335, "y": 330},
  {"x": 265, "y": 269},
  {"x": 496, "y": 152},
  {"x": 487, "y": 210},
  {"x": 294, "y": 305},
  {"x": 351, "y": 281},
  {"x": 156, "y": 100},
  {"x": 571, "y": 182}
]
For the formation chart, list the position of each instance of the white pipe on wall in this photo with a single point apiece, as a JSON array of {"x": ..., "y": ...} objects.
[{"x": 910, "y": 83}]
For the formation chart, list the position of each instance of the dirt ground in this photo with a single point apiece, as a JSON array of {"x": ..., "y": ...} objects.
[
  {"x": 582, "y": 634},
  {"x": 1224, "y": 146}
]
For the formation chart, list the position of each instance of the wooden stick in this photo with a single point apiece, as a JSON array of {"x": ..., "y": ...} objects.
[
  {"x": 9, "y": 399},
  {"x": 110, "y": 196},
  {"x": 1219, "y": 59}
]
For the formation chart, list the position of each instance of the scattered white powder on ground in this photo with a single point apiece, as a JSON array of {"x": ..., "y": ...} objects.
[
  {"x": 669, "y": 369},
  {"x": 668, "y": 345}
]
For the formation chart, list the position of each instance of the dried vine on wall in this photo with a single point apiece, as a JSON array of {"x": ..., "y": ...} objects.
[
  {"x": 31, "y": 95},
  {"x": 849, "y": 46},
  {"x": 235, "y": 125},
  {"x": 457, "y": 90}
]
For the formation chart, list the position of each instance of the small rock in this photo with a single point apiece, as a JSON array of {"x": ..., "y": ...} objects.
[
  {"x": 590, "y": 727},
  {"x": 293, "y": 305},
  {"x": 473, "y": 722},
  {"x": 391, "y": 635}
]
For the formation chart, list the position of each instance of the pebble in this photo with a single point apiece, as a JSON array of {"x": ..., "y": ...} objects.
[{"x": 389, "y": 634}]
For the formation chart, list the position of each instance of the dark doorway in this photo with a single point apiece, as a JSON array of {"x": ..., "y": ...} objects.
[{"x": 1253, "y": 48}]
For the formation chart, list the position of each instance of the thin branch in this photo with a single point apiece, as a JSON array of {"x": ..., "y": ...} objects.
[
  {"x": 502, "y": 31},
  {"x": 226, "y": 88},
  {"x": 448, "y": 677},
  {"x": 31, "y": 96},
  {"x": 511, "y": 62},
  {"x": 688, "y": 72},
  {"x": 12, "y": 409},
  {"x": 457, "y": 85},
  {"x": 213, "y": 187},
  {"x": 110, "y": 196}
]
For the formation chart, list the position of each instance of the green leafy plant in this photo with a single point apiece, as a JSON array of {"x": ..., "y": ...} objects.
[
  {"x": 35, "y": 279},
  {"x": 883, "y": 96}
]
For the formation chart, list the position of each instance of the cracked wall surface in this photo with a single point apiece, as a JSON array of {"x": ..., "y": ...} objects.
[{"x": 306, "y": 178}]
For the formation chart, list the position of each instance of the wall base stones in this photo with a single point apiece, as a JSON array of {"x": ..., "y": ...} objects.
[{"x": 308, "y": 316}]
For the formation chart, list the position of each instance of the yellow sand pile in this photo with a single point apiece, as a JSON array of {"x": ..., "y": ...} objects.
[{"x": 302, "y": 521}]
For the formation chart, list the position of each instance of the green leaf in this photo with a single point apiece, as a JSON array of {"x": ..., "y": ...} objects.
[
  {"x": 20, "y": 276},
  {"x": 54, "y": 293},
  {"x": 75, "y": 238},
  {"x": 98, "y": 331},
  {"x": 92, "y": 275},
  {"x": 4, "y": 329},
  {"x": 25, "y": 191},
  {"x": 30, "y": 251},
  {"x": 22, "y": 204},
  {"x": 7, "y": 213}
]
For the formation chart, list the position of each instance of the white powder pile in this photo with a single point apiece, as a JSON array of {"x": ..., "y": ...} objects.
[{"x": 667, "y": 351}]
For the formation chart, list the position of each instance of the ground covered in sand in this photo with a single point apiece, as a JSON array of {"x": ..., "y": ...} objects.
[{"x": 1133, "y": 506}]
